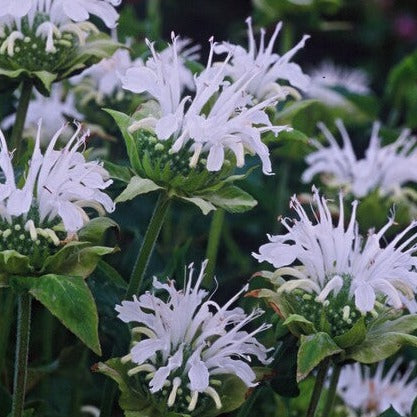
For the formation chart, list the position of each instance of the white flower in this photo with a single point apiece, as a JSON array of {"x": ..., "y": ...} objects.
[
  {"x": 386, "y": 168},
  {"x": 326, "y": 78},
  {"x": 270, "y": 67},
  {"x": 60, "y": 184},
  {"x": 90, "y": 410},
  {"x": 54, "y": 112},
  {"x": 232, "y": 122},
  {"x": 58, "y": 17},
  {"x": 188, "y": 341},
  {"x": 333, "y": 256},
  {"x": 371, "y": 395}
]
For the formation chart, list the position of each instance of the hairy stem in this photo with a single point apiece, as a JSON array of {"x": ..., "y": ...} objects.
[
  {"x": 21, "y": 113},
  {"x": 148, "y": 245},
  {"x": 331, "y": 393},
  {"x": 213, "y": 245},
  {"x": 318, "y": 387},
  {"x": 22, "y": 350}
]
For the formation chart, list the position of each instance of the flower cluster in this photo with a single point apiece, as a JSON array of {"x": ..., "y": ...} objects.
[
  {"x": 384, "y": 168},
  {"x": 190, "y": 344},
  {"x": 59, "y": 187},
  {"x": 335, "y": 260},
  {"x": 327, "y": 79},
  {"x": 371, "y": 395},
  {"x": 220, "y": 119},
  {"x": 268, "y": 66},
  {"x": 43, "y": 34}
]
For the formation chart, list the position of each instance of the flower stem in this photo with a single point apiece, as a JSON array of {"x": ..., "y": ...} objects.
[
  {"x": 148, "y": 244},
  {"x": 213, "y": 245},
  {"x": 331, "y": 393},
  {"x": 5, "y": 325},
  {"x": 22, "y": 350},
  {"x": 21, "y": 113},
  {"x": 318, "y": 387}
]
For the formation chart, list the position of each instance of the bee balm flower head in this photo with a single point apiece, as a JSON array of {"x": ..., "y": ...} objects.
[{"x": 189, "y": 342}]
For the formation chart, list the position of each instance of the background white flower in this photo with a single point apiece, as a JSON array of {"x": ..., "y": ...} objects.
[
  {"x": 188, "y": 341},
  {"x": 327, "y": 77},
  {"x": 232, "y": 123},
  {"x": 372, "y": 394},
  {"x": 270, "y": 67},
  {"x": 54, "y": 111},
  {"x": 60, "y": 184},
  {"x": 333, "y": 256},
  {"x": 386, "y": 168}
]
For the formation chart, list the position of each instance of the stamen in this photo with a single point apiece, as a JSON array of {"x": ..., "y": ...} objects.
[
  {"x": 146, "y": 367},
  {"x": 193, "y": 402},
  {"x": 176, "y": 383},
  {"x": 144, "y": 330},
  {"x": 211, "y": 392}
]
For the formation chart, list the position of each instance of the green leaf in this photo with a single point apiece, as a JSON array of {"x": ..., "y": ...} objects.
[
  {"x": 354, "y": 336},
  {"x": 232, "y": 199},
  {"x": 203, "y": 205},
  {"x": 307, "y": 325},
  {"x": 67, "y": 298},
  {"x": 95, "y": 230},
  {"x": 124, "y": 121},
  {"x": 76, "y": 258},
  {"x": 384, "y": 339},
  {"x": 111, "y": 274},
  {"x": 137, "y": 186},
  {"x": 12, "y": 262},
  {"x": 390, "y": 413},
  {"x": 313, "y": 349},
  {"x": 118, "y": 172},
  {"x": 43, "y": 79}
]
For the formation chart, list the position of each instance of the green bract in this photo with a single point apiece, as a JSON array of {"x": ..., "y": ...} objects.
[
  {"x": 136, "y": 401},
  {"x": 335, "y": 328},
  {"x": 154, "y": 167}
]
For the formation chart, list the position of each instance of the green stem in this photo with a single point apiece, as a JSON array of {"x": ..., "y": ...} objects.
[
  {"x": 5, "y": 326},
  {"x": 22, "y": 350},
  {"x": 154, "y": 19},
  {"x": 148, "y": 245},
  {"x": 21, "y": 113},
  {"x": 318, "y": 387},
  {"x": 331, "y": 393},
  {"x": 213, "y": 245}
]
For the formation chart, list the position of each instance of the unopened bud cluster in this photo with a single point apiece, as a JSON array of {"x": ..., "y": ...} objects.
[
  {"x": 336, "y": 315},
  {"x": 174, "y": 168},
  {"x": 31, "y": 48},
  {"x": 24, "y": 236}
]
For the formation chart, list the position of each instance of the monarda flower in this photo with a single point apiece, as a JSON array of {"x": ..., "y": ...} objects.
[
  {"x": 50, "y": 39},
  {"x": 190, "y": 146},
  {"x": 44, "y": 209},
  {"x": 188, "y": 347},
  {"x": 370, "y": 394},
  {"x": 336, "y": 287},
  {"x": 385, "y": 169},
  {"x": 328, "y": 82},
  {"x": 270, "y": 68}
]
